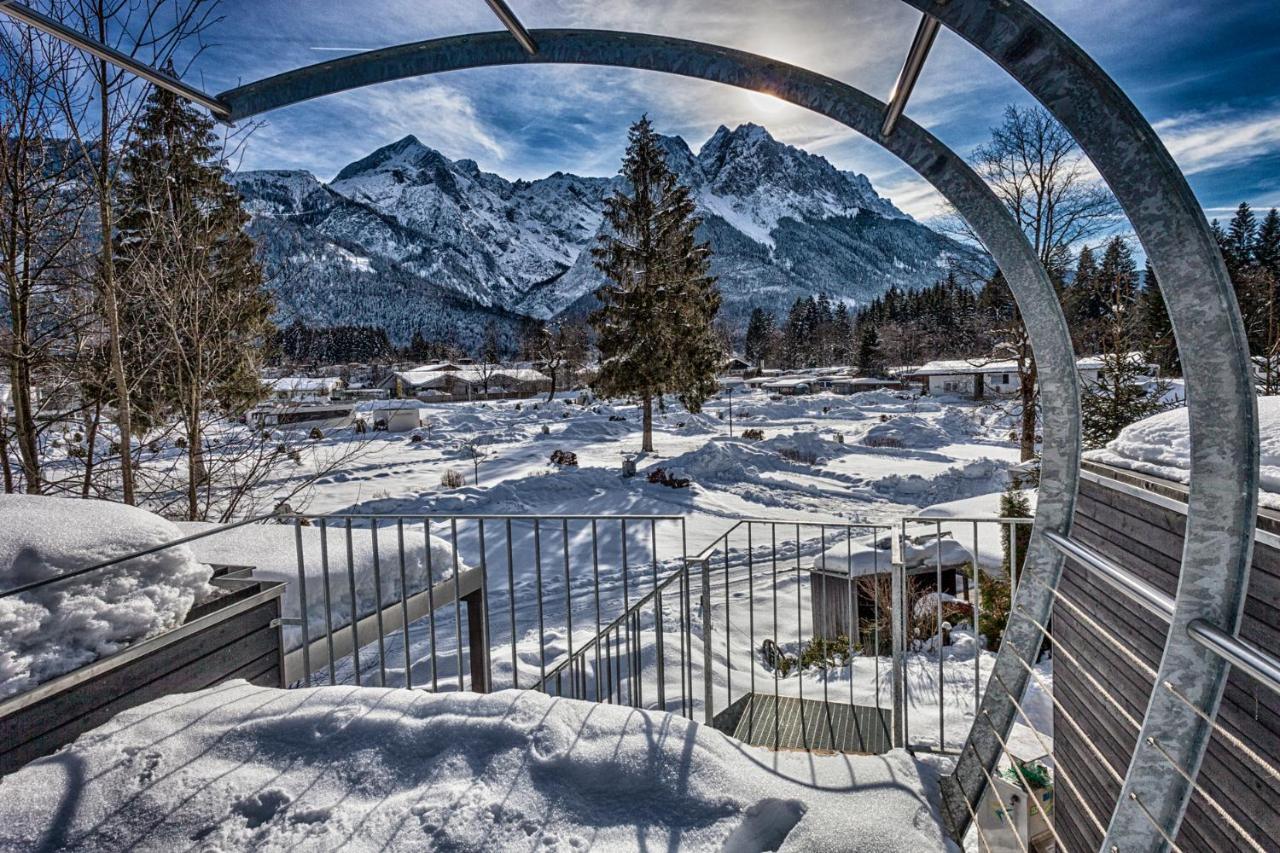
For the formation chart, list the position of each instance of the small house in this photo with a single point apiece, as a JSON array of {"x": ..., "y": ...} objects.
[
  {"x": 390, "y": 415},
  {"x": 304, "y": 389}
]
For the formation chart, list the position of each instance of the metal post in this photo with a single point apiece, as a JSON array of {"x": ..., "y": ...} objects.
[
  {"x": 479, "y": 649},
  {"x": 897, "y": 592},
  {"x": 705, "y": 605}
]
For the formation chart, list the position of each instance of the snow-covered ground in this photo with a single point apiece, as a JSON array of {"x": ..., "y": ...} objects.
[
  {"x": 243, "y": 767},
  {"x": 54, "y": 629},
  {"x": 827, "y": 469},
  {"x": 899, "y": 453}
]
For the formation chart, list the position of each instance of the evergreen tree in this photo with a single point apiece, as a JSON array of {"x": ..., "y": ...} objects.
[
  {"x": 870, "y": 359},
  {"x": 1157, "y": 331},
  {"x": 1241, "y": 233},
  {"x": 841, "y": 335},
  {"x": 1266, "y": 249},
  {"x": 1121, "y": 394},
  {"x": 192, "y": 291},
  {"x": 1086, "y": 304},
  {"x": 656, "y": 325},
  {"x": 759, "y": 336}
]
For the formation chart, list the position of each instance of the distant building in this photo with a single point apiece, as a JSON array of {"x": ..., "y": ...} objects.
[
  {"x": 977, "y": 379},
  {"x": 390, "y": 415},
  {"x": 449, "y": 381},
  {"x": 305, "y": 389}
]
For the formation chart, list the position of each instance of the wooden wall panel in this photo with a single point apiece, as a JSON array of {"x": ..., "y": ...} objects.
[{"x": 1105, "y": 690}]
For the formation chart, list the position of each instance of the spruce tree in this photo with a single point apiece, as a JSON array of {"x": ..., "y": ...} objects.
[
  {"x": 656, "y": 325},
  {"x": 1266, "y": 249},
  {"x": 870, "y": 359},
  {"x": 1121, "y": 395},
  {"x": 759, "y": 336},
  {"x": 192, "y": 290},
  {"x": 1157, "y": 330},
  {"x": 1241, "y": 233}
]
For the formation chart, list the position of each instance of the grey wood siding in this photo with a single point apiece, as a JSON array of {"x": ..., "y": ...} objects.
[
  {"x": 234, "y": 637},
  {"x": 1105, "y": 691}
]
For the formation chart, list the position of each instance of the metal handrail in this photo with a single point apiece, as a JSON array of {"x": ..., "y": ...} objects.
[
  {"x": 106, "y": 564},
  {"x": 612, "y": 626},
  {"x": 1257, "y": 662}
]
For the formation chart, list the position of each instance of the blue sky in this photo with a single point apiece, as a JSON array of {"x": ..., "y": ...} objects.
[{"x": 1206, "y": 74}]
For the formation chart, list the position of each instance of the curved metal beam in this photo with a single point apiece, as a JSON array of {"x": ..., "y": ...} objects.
[
  {"x": 1223, "y": 499},
  {"x": 943, "y": 168}
]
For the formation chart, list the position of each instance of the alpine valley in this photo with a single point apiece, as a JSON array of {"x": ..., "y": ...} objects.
[{"x": 408, "y": 240}]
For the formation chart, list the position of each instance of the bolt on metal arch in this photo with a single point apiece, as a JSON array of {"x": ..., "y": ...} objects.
[{"x": 1163, "y": 212}]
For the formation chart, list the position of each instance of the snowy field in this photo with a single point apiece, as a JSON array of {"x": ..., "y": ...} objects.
[
  {"x": 249, "y": 768},
  {"x": 814, "y": 495},
  {"x": 827, "y": 470}
]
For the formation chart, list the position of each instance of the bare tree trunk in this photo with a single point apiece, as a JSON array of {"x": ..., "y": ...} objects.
[
  {"x": 646, "y": 444},
  {"x": 4, "y": 452},
  {"x": 551, "y": 395},
  {"x": 111, "y": 308},
  {"x": 90, "y": 442},
  {"x": 1027, "y": 433}
]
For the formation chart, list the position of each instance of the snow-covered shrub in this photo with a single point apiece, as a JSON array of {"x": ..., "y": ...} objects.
[
  {"x": 802, "y": 455},
  {"x": 315, "y": 434},
  {"x": 909, "y": 431},
  {"x": 564, "y": 458},
  {"x": 753, "y": 434},
  {"x": 453, "y": 479},
  {"x": 672, "y": 478},
  {"x": 60, "y": 627}
]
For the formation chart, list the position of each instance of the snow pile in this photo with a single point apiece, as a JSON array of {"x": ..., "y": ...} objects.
[
  {"x": 273, "y": 552},
  {"x": 804, "y": 446},
  {"x": 976, "y": 477},
  {"x": 249, "y": 768},
  {"x": 1161, "y": 446},
  {"x": 867, "y": 558},
  {"x": 52, "y": 630},
  {"x": 906, "y": 431}
]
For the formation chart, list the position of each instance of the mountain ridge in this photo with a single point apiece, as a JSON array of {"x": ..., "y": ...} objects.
[{"x": 783, "y": 222}]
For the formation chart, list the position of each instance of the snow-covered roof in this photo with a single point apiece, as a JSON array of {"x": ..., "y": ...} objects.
[
  {"x": 789, "y": 382},
  {"x": 306, "y": 383},
  {"x": 961, "y": 365},
  {"x": 387, "y": 405},
  {"x": 473, "y": 373}
]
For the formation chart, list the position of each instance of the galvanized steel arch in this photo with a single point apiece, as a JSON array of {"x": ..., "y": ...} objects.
[
  {"x": 1215, "y": 360},
  {"x": 1191, "y": 275}
]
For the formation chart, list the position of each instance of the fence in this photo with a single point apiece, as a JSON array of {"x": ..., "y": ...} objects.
[{"x": 775, "y": 631}]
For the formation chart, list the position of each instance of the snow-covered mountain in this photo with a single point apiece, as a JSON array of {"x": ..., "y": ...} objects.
[{"x": 407, "y": 238}]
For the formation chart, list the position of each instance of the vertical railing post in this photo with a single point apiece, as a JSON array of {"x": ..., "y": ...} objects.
[
  {"x": 898, "y": 603},
  {"x": 708, "y": 712},
  {"x": 476, "y": 642}
]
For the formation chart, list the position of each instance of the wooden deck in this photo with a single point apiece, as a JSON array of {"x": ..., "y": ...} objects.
[{"x": 783, "y": 722}]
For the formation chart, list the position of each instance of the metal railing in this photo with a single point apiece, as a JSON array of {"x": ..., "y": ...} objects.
[
  {"x": 462, "y": 602},
  {"x": 615, "y": 609}
]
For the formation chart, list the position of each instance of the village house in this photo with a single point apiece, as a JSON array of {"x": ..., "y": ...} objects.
[
  {"x": 977, "y": 378},
  {"x": 450, "y": 382},
  {"x": 305, "y": 389}
]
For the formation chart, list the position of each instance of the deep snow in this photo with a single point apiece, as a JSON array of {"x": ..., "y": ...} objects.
[
  {"x": 1161, "y": 446},
  {"x": 54, "y": 629},
  {"x": 243, "y": 767}
]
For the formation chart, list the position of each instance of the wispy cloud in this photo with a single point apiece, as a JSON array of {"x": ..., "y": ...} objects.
[{"x": 1205, "y": 141}]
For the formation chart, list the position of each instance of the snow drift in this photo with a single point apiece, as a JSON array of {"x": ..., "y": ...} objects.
[
  {"x": 1161, "y": 446},
  {"x": 250, "y": 768},
  {"x": 271, "y": 549},
  {"x": 52, "y": 630}
]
